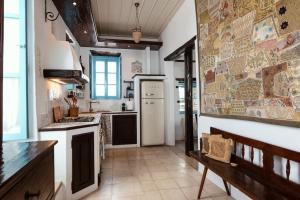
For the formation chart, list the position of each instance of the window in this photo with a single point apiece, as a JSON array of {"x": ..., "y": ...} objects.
[
  {"x": 181, "y": 94},
  {"x": 105, "y": 75},
  {"x": 14, "y": 71}
]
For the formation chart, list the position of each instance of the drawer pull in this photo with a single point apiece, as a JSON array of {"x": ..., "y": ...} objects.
[{"x": 29, "y": 195}]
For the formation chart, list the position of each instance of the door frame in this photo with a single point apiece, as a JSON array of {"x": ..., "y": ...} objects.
[
  {"x": 1, "y": 69},
  {"x": 187, "y": 50}
]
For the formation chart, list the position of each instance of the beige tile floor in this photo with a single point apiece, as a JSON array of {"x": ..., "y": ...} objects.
[{"x": 152, "y": 173}]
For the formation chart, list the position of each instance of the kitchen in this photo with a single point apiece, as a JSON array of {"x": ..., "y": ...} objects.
[{"x": 93, "y": 84}]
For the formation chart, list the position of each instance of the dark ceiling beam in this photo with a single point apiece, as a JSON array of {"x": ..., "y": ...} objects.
[
  {"x": 129, "y": 44},
  {"x": 79, "y": 19},
  {"x": 183, "y": 61},
  {"x": 178, "y": 52}
]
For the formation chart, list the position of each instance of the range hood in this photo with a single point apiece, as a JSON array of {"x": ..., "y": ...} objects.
[{"x": 62, "y": 63}]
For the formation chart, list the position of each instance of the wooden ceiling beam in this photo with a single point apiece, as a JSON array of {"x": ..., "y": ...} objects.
[
  {"x": 129, "y": 44},
  {"x": 178, "y": 52},
  {"x": 79, "y": 19}
]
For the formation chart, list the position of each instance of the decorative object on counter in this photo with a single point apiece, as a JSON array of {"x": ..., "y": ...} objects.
[
  {"x": 57, "y": 114},
  {"x": 136, "y": 67},
  {"x": 205, "y": 141},
  {"x": 73, "y": 108},
  {"x": 123, "y": 106},
  {"x": 220, "y": 149},
  {"x": 73, "y": 111}
]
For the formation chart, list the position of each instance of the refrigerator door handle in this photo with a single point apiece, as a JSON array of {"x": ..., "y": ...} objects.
[{"x": 149, "y": 94}]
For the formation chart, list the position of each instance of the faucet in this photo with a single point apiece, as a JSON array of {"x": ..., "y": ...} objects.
[{"x": 91, "y": 102}]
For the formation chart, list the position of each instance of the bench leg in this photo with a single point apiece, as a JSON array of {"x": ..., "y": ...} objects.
[
  {"x": 202, "y": 182},
  {"x": 226, "y": 187}
]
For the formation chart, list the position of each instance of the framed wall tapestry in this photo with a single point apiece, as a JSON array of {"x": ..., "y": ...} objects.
[{"x": 249, "y": 53}]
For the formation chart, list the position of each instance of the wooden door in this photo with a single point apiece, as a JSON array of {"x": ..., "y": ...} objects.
[
  {"x": 82, "y": 161},
  {"x": 124, "y": 129}
]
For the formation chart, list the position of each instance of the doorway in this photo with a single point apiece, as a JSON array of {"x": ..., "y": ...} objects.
[{"x": 186, "y": 102}]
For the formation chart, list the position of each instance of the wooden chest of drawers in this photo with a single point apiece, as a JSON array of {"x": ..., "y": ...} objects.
[{"x": 29, "y": 173}]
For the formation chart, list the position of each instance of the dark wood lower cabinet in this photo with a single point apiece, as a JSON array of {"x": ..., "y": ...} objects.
[
  {"x": 82, "y": 161},
  {"x": 124, "y": 129},
  {"x": 27, "y": 171}
]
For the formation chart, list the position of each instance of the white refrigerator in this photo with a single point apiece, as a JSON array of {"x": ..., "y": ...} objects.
[{"x": 152, "y": 113}]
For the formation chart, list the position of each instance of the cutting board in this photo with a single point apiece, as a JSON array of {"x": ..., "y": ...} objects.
[{"x": 57, "y": 114}]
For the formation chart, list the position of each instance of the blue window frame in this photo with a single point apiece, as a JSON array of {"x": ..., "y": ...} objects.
[
  {"x": 105, "y": 73},
  {"x": 15, "y": 71}
]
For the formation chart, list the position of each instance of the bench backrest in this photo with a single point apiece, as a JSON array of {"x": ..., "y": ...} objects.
[{"x": 265, "y": 170}]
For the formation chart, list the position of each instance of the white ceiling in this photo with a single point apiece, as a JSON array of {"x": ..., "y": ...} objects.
[{"x": 117, "y": 17}]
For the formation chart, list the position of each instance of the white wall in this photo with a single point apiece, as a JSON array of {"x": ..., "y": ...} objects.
[
  {"x": 38, "y": 92},
  {"x": 182, "y": 28},
  {"x": 127, "y": 56}
]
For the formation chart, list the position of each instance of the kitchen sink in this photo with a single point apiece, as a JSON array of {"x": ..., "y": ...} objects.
[{"x": 77, "y": 119}]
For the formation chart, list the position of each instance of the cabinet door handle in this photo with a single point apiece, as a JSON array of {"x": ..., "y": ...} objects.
[
  {"x": 30, "y": 195},
  {"x": 151, "y": 102},
  {"x": 149, "y": 94}
]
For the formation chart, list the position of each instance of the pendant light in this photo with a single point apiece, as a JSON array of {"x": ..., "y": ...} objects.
[{"x": 137, "y": 32}]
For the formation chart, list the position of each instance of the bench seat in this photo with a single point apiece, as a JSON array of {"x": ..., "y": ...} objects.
[
  {"x": 257, "y": 180},
  {"x": 239, "y": 179}
]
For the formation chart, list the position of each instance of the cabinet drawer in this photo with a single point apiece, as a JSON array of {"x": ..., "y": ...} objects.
[{"x": 38, "y": 184}]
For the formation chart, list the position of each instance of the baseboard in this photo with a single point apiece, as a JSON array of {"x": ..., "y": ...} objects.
[{"x": 110, "y": 146}]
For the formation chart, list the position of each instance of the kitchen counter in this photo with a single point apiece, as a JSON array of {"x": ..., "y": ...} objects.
[{"x": 72, "y": 125}]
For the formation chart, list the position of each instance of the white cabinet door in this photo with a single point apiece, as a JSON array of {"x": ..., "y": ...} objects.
[
  {"x": 152, "y": 122},
  {"x": 153, "y": 89}
]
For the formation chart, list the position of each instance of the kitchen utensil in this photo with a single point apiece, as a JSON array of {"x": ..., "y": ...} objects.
[
  {"x": 67, "y": 101},
  {"x": 74, "y": 99},
  {"x": 57, "y": 114}
]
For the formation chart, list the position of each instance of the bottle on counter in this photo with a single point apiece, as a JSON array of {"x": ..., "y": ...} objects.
[{"x": 123, "y": 107}]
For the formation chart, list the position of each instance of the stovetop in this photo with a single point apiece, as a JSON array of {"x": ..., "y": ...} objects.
[{"x": 77, "y": 119}]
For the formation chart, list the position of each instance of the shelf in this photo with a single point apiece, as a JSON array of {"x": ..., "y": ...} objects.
[{"x": 128, "y": 81}]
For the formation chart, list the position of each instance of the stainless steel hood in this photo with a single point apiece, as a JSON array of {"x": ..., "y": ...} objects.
[{"x": 62, "y": 63}]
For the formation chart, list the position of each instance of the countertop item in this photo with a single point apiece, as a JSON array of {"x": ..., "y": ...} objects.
[
  {"x": 57, "y": 114},
  {"x": 18, "y": 161}
]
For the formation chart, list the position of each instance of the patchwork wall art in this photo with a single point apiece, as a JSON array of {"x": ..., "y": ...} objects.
[{"x": 249, "y": 53}]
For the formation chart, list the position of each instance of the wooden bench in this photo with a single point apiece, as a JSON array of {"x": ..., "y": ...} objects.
[{"x": 258, "y": 180}]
